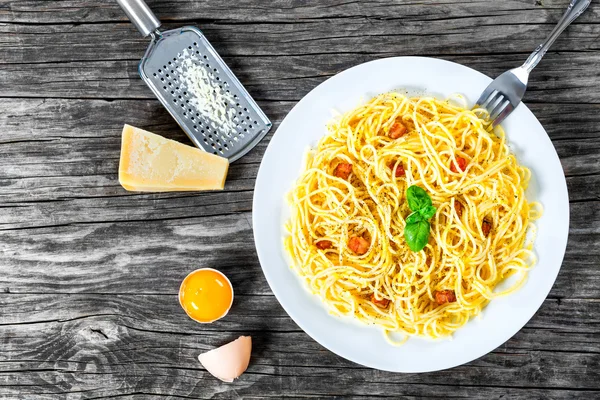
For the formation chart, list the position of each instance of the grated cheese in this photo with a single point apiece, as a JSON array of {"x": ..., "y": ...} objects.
[{"x": 206, "y": 94}]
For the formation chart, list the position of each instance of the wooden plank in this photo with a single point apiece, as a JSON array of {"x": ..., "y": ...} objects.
[
  {"x": 556, "y": 80},
  {"x": 158, "y": 382},
  {"x": 32, "y": 43},
  {"x": 230, "y": 11},
  {"x": 116, "y": 257},
  {"x": 94, "y": 341}
]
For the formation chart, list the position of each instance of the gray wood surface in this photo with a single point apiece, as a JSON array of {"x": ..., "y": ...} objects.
[{"x": 89, "y": 272}]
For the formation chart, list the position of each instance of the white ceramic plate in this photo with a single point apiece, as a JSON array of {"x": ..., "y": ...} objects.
[{"x": 281, "y": 166}]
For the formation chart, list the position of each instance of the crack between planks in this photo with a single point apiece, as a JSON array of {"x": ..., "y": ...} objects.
[
  {"x": 317, "y": 19},
  {"x": 590, "y": 200},
  {"x": 164, "y": 209},
  {"x": 570, "y": 139},
  {"x": 532, "y": 350},
  {"x": 74, "y": 61},
  {"x": 321, "y": 53},
  {"x": 138, "y": 196},
  {"x": 27, "y": 141},
  {"x": 204, "y": 331},
  {"x": 137, "y": 293},
  {"x": 160, "y": 332},
  {"x": 147, "y": 197},
  {"x": 582, "y": 175},
  {"x": 129, "y": 394},
  {"x": 146, "y": 220},
  {"x": 11, "y": 292},
  {"x": 258, "y": 99}
]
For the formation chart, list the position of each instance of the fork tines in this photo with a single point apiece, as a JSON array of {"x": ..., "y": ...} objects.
[{"x": 496, "y": 104}]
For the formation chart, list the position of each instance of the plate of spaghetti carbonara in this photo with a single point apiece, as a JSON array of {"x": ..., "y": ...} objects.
[{"x": 397, "y": 228}]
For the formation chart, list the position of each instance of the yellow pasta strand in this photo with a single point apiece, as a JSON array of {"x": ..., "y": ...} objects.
[{"x": 371, "y": 204}]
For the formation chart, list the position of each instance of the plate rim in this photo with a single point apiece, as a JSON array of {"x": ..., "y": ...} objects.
[{"x": 278, "y": 294}]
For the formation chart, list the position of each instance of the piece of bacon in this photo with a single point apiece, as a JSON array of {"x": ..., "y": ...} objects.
[
  {"x": 324, "y": 244},
  {"x": 358, "y": 245},
  {"x": 383, "y": 303},
  {"x": 458, "y": 207},
  {"x": 486, "y": 227},
  {"x": 444, "y": 296},
  {"x": 397, "y": 130},
  {"x": 343, "y": 170}
]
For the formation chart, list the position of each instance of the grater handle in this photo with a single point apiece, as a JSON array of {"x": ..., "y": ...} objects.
[{"x": 140, "y": 15}]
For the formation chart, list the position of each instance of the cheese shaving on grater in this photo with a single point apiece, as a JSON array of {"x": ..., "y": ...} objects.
[{"x": 206, "y": 94}]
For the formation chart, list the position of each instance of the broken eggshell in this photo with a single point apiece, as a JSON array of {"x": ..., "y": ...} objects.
[{"x": 228, "y": 361}]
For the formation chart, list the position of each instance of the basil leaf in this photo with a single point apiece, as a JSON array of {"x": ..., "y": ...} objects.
[
  {"x": 416, "y": 232},
  {"x": 427, "y": 212},
  {"x": 414, "y": 218},
  {"x": 417, "y": 198},
  {"x": 417, "y": 235}
]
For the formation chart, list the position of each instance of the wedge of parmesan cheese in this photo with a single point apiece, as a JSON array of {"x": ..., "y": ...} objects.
[{"x": 152, "y": 163}]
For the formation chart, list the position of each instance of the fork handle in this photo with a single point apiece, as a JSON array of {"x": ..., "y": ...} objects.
[{"x": 576, "y": 7}]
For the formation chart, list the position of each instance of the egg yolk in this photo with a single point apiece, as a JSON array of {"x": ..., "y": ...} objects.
[{"x": 206, "y": 295}]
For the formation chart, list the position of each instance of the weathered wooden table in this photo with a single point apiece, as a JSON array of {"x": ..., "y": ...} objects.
[{"x": 89, "y": 272}]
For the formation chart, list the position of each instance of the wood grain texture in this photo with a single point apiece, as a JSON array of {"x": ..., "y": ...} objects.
[{"x": 89, "y": 272}]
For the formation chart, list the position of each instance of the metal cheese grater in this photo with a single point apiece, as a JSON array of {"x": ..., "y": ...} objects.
[{"x": 165, "y": 69}]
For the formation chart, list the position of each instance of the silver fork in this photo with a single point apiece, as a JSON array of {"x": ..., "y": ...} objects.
[{"x": 505, "y": 92}]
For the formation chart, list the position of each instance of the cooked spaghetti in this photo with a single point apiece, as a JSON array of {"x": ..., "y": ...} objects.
[{"x": 349, "y": 209}]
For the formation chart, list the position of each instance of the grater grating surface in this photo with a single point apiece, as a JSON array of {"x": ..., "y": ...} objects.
[{"x": 161, "y": 69}]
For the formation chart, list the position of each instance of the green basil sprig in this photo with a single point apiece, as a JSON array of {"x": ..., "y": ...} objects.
[{"x": 416, "y": 232}]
